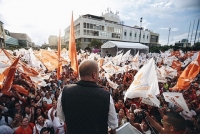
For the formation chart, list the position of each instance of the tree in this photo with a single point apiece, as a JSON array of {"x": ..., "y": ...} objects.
[
  {"x": 78, "y": 45},
  {"x": 95, "y": 44}
]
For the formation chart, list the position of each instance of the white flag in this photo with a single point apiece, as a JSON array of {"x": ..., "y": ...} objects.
[
  {"x": 111, "y": 83},
  {"x": 145, "y": 84},
  {"x": 119, "y": 52},
  {"x": 126, "y": 56},
  {"x": 176, "y": 99}
]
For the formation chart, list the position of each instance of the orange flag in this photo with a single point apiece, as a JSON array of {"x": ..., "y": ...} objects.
[
  {"x": 9, "y": 78},
  {"x": 188, "y": 75},
  {"x": 59, "y": 70},
  {"x": 24, "y": 67},
  {"x": 72, "y": 48},
  {"x": 20, "y": 89},
  {"x": 3, "y": 75}
]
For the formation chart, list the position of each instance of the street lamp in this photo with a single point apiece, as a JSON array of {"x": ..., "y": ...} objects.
[
  {"x": 140, "y": 28},
  {"x": 168, "y": 36}
]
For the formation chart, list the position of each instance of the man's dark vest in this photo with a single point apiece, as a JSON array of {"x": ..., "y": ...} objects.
[{"x": 86, "y": 107}]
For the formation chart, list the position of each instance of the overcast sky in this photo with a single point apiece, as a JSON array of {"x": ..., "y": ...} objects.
[{"x": 42, "y": 18}]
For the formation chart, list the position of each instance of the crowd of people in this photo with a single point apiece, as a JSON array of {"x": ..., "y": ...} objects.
[{"x": 37, "y": 112}]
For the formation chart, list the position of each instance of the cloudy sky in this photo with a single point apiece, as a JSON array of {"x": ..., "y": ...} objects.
[{"x": 42, "y": 18}]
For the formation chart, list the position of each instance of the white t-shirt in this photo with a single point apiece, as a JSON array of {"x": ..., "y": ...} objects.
[
  {"x": 49, "y": 101},
  {"x": 188, "y": 115},
  {"x": 57, "y": 124}
]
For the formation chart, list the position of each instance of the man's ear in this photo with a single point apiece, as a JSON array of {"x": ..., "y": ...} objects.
[
  {"x": 172, "y": 128},
  {"x": 93, "y": 75}
]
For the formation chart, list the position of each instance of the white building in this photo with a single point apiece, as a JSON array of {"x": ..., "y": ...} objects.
[{"x": 107, "y": 27}]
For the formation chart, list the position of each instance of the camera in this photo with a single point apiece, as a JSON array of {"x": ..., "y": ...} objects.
[{"x": 140, "y": 116}]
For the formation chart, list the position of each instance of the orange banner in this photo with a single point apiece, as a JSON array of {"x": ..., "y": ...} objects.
[
  {"x": 20, "y": 89},
  {"x": 9, "y": 77}
]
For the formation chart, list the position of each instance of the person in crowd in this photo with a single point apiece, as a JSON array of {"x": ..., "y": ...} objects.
[
  {"x": 57, "y": 93},
  {"x": 5, "y": 120},
  {"x": 173, "y": 123},
  {"x": 95, "y": 103},
  {"x": 59, "y": 126},
  {"x": 29, "y": 114},
  {"x": 145, "y": 127},
  {"x": 16, "y": 122},
  {"x": 122, "y": 119},
  {"x": 26, "y": 127},
  {"x": 46, "y": 107},
  {"x": 120, "y": 105},
  {"x": 38, "y": 100},
  {"x": 18, "y": 109},
  {"x": 41, "y": 122},
  {"x": 39, "y": 111},
  {"x": 47, "y": 98},
  {"x": 190, "y": 117},
  {"x": 45, "y": 130},
  {"x": 4, "y": 129},
  {"x": 131, "y": 120}
]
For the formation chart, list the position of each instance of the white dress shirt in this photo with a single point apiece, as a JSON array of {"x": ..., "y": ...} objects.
[
  {"x": 112, "y": 116},
  {"x": 37, "y": 127}
]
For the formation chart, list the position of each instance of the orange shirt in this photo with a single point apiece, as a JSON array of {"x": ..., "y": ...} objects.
[{"x": 29, "y": 129}]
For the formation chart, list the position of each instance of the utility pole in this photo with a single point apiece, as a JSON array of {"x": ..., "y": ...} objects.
[
  {"x": 196, "y": 32},
  {"x": 140, "y": 28},
  {"x": 192, "y": 33},
  {"x": 168, "y": 36},
  {"x": 188, "y": 34}
]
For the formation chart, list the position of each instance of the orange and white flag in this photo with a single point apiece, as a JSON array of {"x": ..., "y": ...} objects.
[
  {"x": 9, "y": 77},
  {"x": 176, "y": 65},
  {"x": 176, "y": 99},
  {"x": 48, "y": 58},
  {"x": 72, "y": 48},
  {"x": 145, "y": 83},
  {"x": 188, "y": 75},
  {"x": 59, "y": 70}
]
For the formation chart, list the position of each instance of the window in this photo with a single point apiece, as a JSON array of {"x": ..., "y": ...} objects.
[
  {"x": 88, "y": 25},
  {"x": 84, "y": 32},
  {"x": 2, "y": 28},
  {"x": 147, "y": 36},
  {"x": 84, "y": 25},
  {"x": 130, "y": 33},
  {"x": 135, "y": 34},
  {"x": 91, "y": 26},
  {"x": 143, "y": 36},
  {"x": 87, "y": 40},
  {"x": 125, "y": 33}
]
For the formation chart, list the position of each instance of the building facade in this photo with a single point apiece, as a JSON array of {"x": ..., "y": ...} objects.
[
  {"x": 23, "y": 39},
  {"x": 2, "y": 36},
  {"x": 107, "y": 27},
  {"x": 53, "y": 40},
  {"x": 154, "y": 39},
  {"x": 10, "y": 40}
]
